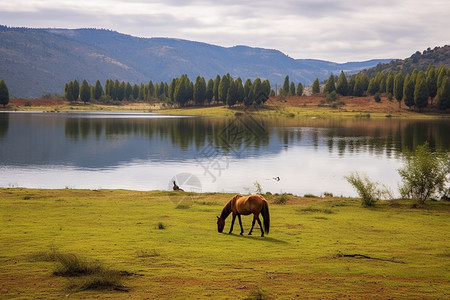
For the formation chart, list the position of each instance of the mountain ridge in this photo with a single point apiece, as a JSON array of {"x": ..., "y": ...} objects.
[{"x": 40, "y": 61}]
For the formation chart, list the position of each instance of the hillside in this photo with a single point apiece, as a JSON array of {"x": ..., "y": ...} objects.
[
  {"x": 439, "y": 56},
  {"x": 39, "y": 61}
]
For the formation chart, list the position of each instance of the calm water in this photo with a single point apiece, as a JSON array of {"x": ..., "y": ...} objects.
[{"x": 148, "y": 152}]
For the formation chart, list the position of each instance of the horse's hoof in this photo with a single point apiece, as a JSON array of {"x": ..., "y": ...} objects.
[
  {"x": 262, "y": 235},
  {"x": 241, "y": 233}
]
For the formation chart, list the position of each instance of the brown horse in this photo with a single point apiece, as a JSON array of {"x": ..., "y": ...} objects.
[{"x": 240, "y": 205}]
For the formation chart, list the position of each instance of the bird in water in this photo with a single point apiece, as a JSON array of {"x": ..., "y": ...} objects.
[{"x": 277, "y": 178}]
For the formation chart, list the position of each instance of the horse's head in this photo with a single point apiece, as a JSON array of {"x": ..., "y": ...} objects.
[{"x": 220, "y": 224}]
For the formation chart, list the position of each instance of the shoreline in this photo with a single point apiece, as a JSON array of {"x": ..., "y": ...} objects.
[{"x": 289, "y": 108}]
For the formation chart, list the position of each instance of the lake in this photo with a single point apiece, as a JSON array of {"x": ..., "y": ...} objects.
[{"x": 146, "y": 151}]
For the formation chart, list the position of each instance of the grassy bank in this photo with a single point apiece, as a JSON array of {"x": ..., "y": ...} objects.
[
  {"x": 166, "y": 245},
  {"x": 292, "y": 107}
]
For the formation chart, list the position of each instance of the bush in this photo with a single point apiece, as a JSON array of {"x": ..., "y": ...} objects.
[
  {"x": 281, "y": 199},
  {"x": 330, "y": 97},
  {"x": 92, "y": 275},
  {"x": 377, "y": 97},
  {"x": 367, "y": 190},
  {"x": 73, "y": 265},
  {"x": 424, "y": 173}
]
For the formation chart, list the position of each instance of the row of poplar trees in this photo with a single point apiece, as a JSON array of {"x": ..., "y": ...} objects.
[{"x": 181, "y": 91}]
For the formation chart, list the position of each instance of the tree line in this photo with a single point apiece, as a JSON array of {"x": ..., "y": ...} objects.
[
  {"x": 180, "y": 91},
  {"x": 414, "y": 89}
]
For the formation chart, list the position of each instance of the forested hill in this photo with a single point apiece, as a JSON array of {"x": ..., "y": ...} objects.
[
  {"x": 34, "y": 62},
  {"x": 439, "y": 56}
]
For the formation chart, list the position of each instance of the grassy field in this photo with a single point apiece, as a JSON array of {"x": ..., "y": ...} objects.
[{"x": 166, "y": 245}]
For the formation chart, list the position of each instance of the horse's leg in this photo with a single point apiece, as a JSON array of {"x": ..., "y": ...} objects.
[
  {"x": 260, "y": 226},
  {"x": 240, "y": 223},
  {"x": 232, "y": 223},
  {"x": 253, "y": 224}
]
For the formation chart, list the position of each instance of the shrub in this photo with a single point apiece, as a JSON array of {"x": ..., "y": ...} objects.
[
  {"x": 327, "y": 194},
  {"x": 73, "y": 265},
  {"x": 367, "y": 190},
  {"x": 281, "y": 199},
  {"x": 424, "y": 173},
  {"x": 377, "y": 97},
  {"x": 161, "y": 225},
  {"x": 92, "y": 275},
  {"x": 330, "y": 97},
  {"x": 258, "y": 294}
]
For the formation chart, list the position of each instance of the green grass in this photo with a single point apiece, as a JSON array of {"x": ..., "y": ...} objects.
[{"x": 304, "y": 256}]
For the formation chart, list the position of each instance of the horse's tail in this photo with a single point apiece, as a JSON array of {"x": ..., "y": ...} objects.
[{"x": 266, "y": 217}]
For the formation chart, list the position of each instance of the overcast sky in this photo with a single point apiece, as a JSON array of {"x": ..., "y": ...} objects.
[{"x": 338, "y": 30}]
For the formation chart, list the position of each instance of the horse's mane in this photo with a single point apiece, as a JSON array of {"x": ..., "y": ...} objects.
[{"x": 227, "y": 209}]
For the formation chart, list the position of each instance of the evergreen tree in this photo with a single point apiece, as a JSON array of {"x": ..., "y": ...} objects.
[
  {"x": 216, "y": 88},
  {"x": 240, "y": 93},
  {"x": 210, "y": 90},
  {"x": 248, "y": 97},
  {"x": 258, "y": 93},
  {"x": 135, "y": 93},
  {"x": 172, "y": 86},
  {"x": 85, "y": 91},
  {"x": 183, "y": 90},
  {"x": 398, "y": 87},
  {"x": 342, "y": 85},
  {"x": 98, "y": 90},
  {"x": 329, "y": 85},
  {"x": 75, "y": 90},
  {"x": 414, "y": 74},
  {"x": 299, "y": 89},
  {"x": 431, "y": 82},
  {"x": 421, "y": 91},
  {"x": 199, "y": 90},
  {"x": 292, "y": 89},
  {"x": 223, "y": 88},
  {"x": 443, "y": 101},
  {"x": 231, "y": 94},
  {"x": 150, "y": 90},
  {"x": 408, "y": 91},
  {"x": 373, "y": 86},
  {"x": 441, "y": 73},
  {"x": 128, "y": 91},
  {"x": 121, "y": 91},
  {"x": 115, "y": 90},
  {"x": 380, "y": 79},
  {"x": 67, "y": 91},
  {"x": 361, "y": 85},
  {"x": 390, "y": 83},
  {"x": 108, "y": 88},
  {"x": 316, "y": 86},
  {"x": 285, "y": 89},
  {"x": 4, "y": 93},
  {"x": 141, "y": 95},
  {"x": 161, "y": 92},
  {"x": 265, "y": 88},
  {"x": 351, "y": 85}
]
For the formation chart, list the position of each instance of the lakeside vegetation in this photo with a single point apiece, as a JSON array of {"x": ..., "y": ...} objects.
[
  {"x": 415, "y": 89},
  {"x": 318, "y": 247}
]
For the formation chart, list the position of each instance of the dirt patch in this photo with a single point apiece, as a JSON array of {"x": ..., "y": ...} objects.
[
  {"x": 351, "y": 103},
  {"x": 37, "y": 102}
]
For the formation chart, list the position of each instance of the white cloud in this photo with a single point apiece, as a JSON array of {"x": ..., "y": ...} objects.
[{"x": 346, "y": 30}]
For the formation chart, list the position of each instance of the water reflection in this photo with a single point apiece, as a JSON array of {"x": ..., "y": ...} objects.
[
  {"x": 4, "y": 124},
  {"x": 148, "y": 148}
]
